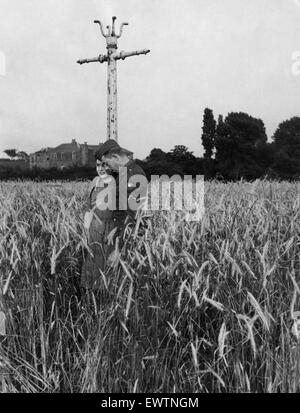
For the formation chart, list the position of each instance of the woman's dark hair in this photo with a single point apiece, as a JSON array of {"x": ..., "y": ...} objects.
[{"x": 97, "y": 155}]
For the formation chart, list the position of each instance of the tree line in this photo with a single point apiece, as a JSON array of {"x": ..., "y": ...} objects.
[{"x": 235, "y": 147}]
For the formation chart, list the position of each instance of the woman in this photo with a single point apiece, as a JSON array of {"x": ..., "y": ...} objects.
[{"x": 98, "y": 224}]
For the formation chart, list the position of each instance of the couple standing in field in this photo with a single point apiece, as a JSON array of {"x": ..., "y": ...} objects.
[{"x": 112, "y": 202}]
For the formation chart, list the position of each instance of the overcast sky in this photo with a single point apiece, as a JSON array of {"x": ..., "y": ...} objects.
[{"x": 228, "y": 55}]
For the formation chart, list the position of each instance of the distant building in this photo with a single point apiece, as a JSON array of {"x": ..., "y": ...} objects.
[{"x": 64, "y": 156}]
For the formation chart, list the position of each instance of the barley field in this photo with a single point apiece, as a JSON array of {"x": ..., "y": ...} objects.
[{"x": 209, "y": 306}]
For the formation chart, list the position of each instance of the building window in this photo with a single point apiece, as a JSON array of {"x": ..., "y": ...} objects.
[
  {"x": 55, "y": 156},
  {"x": 74, "y": 156}
]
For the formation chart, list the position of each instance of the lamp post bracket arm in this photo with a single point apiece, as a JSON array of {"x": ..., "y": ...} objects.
[
  {"x": 101, "y": 58},
  {"x": 121, "y": 30},
  {"x": 122, "y": 55},
  {"x": 101, "y": 28}
]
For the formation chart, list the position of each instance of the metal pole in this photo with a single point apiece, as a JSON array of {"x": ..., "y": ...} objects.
[
  {"x": 112, "y": 119},
  {"x": 111, "y": 59}
]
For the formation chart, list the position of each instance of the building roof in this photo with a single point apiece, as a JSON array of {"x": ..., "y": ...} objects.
[
  {"x": 66, "y": 147},
  {"x": 43, "y": 150}
]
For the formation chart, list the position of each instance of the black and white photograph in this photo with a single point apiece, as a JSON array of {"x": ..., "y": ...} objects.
[{"x": 149, "y": 199}]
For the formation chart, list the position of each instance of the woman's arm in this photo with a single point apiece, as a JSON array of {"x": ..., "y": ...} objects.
[
  {"x": 87, "y": 205},
  {"x": 87, "y": 208}
]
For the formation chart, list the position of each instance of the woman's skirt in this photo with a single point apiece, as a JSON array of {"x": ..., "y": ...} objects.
[{"x": 94, "y": 263}]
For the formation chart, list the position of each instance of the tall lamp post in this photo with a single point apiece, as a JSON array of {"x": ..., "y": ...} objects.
[{"x": 111, "y": 58}]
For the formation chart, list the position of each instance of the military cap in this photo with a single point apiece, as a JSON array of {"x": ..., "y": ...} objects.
[{"x": 109, "y": 146}]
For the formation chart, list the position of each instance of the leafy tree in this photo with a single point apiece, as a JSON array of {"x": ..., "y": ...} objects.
[
  {"x": 12, "y": 153},
  {"x": 265, "y": 157},
  {"x": 288, "y": 133},
  {"x": 15, "y": 154},
  {"x": 180, "y": 153},
  {"x": 225, "y": 148},
  {"x": 208, "y": 140},
  {"x": 286, "y": 141},
  {"x": 183, "y": 158},
  {"x": 157, "y": 155},
  {"x": 246, "y": 128},
  {"x": 239, "y": 139},
  {"x": 178, "y": 161}
]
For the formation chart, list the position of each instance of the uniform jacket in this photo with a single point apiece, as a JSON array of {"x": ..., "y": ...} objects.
[{"x": 126, "y": 180}]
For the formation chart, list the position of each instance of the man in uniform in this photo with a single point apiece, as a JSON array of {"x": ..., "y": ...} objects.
[{"x": 127, "y": 175}]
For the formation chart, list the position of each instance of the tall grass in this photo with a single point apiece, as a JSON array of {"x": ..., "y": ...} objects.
[{"x": 187, "y": 307}]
